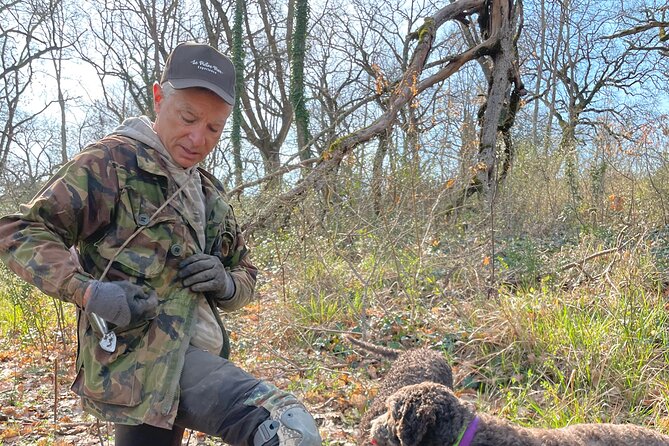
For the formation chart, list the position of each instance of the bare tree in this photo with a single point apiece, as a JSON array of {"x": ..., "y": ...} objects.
[
  {"x": 35, "y": 155},
  {"x": 128, "y": 44},
  {"x": 591, "y": 66},
  {"x": 501, "y": 33},
  {"x": 354, "y": 61},
  {"x": 62, "y": 32},
  {"x": 265, "y": 102},
  {"x": 22, "y": 44}
]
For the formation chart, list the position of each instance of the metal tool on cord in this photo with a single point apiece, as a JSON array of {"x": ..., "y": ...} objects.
[{"x": 108, "y": 339}]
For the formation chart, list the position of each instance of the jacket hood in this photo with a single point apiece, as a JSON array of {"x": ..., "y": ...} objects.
[{"x": 141, "y": 129}]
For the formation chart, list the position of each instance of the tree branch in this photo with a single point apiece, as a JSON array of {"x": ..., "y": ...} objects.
[{"x": 403, "y": 92}]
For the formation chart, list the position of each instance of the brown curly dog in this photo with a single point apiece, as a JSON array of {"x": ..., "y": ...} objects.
[
  {"x": 410, "y": 367},
  {"x": 429, "y": 414}
]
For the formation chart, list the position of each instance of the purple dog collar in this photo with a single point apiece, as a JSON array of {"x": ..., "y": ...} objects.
[{"x": 466, "y": 436}]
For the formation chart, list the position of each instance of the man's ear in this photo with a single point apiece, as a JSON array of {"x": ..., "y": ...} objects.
[{"x": 157, "y": 96}]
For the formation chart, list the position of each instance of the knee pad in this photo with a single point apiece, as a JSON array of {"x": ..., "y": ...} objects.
[{"x": 292, "y": 424}]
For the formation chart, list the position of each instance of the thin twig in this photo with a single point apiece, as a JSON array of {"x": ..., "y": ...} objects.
[
  {"x": 99, "y": 433},
  {"x": 55, "y": 390},
  {"x": 326, "y": 330},
  {"x": 580, "y": 263}
]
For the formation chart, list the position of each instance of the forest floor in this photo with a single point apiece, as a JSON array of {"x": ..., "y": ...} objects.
[
  {"x": 35, "y": 410},
  {"x": 539, "y": 357},
  {"x": 333, "y": 380}
]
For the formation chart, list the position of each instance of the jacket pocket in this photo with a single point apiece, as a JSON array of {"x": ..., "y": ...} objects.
[
  {"x": 145, "y": 254},
  {"x": 113, "y": 378}
]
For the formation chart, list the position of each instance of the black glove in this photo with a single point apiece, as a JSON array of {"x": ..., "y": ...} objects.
[
  {"x": 121, "y": 303},
  {"x": 206, "y": 274}
]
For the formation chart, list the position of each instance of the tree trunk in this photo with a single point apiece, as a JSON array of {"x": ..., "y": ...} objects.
[
  {"x": 568, "y": 149},
  {"x": 377, "y": 173},
  {"x": 540, "y": 68},
  {"x": 238, "y": 62},
  {"x": 501, "y": 24},
  {"x": 272, "y": 163},
  {"x": 297, "y": 96}
]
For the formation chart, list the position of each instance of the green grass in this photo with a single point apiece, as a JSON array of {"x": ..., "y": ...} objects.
[{"x": 577, "y": 357}]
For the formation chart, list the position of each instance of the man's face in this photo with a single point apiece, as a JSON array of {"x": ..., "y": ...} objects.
[{"x": 189, "y": 122}]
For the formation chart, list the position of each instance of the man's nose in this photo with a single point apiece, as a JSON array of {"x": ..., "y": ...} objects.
[{"x": 197, "y": 137}]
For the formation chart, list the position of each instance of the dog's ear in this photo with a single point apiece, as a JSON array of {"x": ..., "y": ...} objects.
[
  {"x": 381, "y": 432},
  {"x": 412, "y": 416}
]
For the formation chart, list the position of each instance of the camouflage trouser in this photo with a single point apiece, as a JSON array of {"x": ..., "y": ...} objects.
[{"x": 217, "y": 398}]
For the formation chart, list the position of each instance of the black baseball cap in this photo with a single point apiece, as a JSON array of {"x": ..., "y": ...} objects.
[{"x": 193, "y": 64}]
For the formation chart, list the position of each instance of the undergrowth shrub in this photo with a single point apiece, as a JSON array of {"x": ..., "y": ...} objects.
[{"x": 28, "y": 315}]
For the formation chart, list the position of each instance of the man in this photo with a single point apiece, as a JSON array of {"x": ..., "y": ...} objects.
[{"x": 156, "y": 252}]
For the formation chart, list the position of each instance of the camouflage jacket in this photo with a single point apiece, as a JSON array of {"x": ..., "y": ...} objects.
[{"x": 95, "y": 202}]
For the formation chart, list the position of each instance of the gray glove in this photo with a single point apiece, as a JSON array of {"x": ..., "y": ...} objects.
[
  {"x": 121, "y": 303},
  {"x": 206, "y": 274}
]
